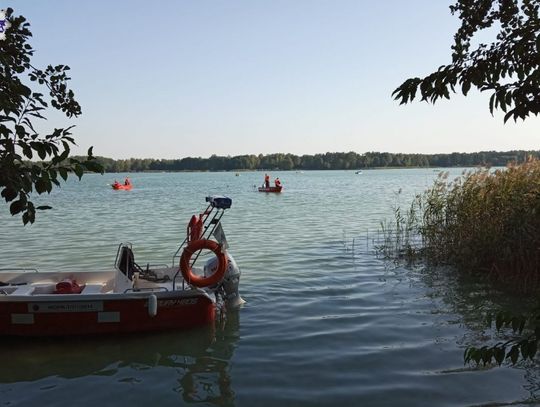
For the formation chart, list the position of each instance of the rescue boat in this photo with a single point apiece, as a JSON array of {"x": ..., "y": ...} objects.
[
  {"x": 117, "y": 186},
  {"x": 129, "y": 298},
  {"x": 271, "y": 189}
]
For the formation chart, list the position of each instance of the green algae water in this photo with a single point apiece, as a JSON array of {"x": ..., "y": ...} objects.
[{"x": 326, "y": 321}]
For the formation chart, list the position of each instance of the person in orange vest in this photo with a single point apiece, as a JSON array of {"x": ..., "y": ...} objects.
[
  {"x": 277, "y": 182},
  {"x": 267, "y": 180}
]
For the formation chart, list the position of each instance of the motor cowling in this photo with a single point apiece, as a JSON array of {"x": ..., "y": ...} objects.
[{"x": 230, "y": 282}]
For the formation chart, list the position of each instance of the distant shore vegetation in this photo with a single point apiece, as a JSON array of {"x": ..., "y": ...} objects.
[{"x": 326, "y": 161}]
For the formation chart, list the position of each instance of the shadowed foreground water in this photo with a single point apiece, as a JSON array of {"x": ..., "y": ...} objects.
[{"x": 326, "y": 322}]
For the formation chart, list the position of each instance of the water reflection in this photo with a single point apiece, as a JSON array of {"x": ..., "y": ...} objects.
[
  {"x": 195, "y": 362},
  {"x": 470, "y": 300}
]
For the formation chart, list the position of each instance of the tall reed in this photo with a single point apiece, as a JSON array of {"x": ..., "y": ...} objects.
[{"x": 485, "y": 222}]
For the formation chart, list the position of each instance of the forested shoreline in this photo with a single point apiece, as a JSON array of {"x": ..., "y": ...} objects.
[{"x": 327, "y": 161}]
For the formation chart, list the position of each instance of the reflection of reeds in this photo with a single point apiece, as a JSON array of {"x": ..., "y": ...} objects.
[{"x": 485, "y": 222}]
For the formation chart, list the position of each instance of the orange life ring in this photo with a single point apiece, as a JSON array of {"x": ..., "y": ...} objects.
[{"x": 185, "y": 267}]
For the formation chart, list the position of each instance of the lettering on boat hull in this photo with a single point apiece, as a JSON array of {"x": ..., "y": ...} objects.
[
  {"x": 177, "y": 302},
  {"x": 79, "y": 306}
]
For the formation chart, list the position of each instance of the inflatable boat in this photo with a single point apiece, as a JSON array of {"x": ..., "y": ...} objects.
[
  {"x": 270, "y": 189},
  {"x": 118, "y": 186}
]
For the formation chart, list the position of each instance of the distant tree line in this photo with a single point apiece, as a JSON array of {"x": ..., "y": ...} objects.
[{"x": 327, "y": 161}]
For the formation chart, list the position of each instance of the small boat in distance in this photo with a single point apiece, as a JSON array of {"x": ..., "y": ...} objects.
[
  {"x": 128, "y": 298},
  {"x": 117, "y": 186},
  {"x": 266, "y": 186},
  {"x": 358, "y": 172},
  {"x": 127, "y": 185},
  {"x": 271, "y": 189}
]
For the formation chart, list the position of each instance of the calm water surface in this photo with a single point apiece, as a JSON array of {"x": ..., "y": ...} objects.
[{"x": 326, "y": 322}]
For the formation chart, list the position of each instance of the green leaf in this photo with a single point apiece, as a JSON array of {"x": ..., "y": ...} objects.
[
  {"x": 29, "y": 216},
  {"x": 486, "y": 355},
  {"x": 9, "y": 194},
  {"x": 524, "y": 348},
  {"x": 63, "y": 173},
  {"x": 476, "y": 356},
  {"x": 498, "y": 353},
  {"x": 491, "y": 103},
  {"x": 466, "y": 355},
  {"x": 465, "y": 87},
  {"x": 513, "y": 354},
  {"x": 40, "y": 148},
  {"x": 42, "y": 185},
  {"x": 79, "y": 170},
  {"x": 17, "y": 206},
  {"x": 20, "y": 131},
  {"x": 27, "y": 151},
  {"x": 533, "y": 348}
]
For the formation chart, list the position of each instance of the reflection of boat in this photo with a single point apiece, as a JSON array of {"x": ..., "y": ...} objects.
[
  {"x": 128, "y": 298},
  {"x": 117, "y": 186},
  {"x": 270, "y": 189},
  {"x": 196, "y": 362}
]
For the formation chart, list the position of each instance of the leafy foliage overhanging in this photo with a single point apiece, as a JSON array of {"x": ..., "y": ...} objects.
[
  {"x": 508, "y": 68},
  {"x": 19, "y": 141}
]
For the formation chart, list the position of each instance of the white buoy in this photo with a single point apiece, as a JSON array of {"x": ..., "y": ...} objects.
[{"x": 152, "y": 305}]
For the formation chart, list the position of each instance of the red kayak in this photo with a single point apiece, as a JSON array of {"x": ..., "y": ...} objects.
[
  {"x": 118, "y": 186},
  {"x": 270, "y": 189}
]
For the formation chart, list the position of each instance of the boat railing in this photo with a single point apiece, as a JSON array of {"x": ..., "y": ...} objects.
[
  {"x": 211, "y": 218},
  {"x": 148, "y": 289},
  {"x": 18, "y": 270}
]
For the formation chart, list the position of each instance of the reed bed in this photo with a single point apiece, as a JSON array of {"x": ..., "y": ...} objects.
[{"x": 484, "y": 222}]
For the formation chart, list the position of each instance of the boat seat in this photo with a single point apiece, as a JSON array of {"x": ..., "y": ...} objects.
[
  {"x": 93, "y": 289},
  {"x": 126, "y": 262},
  {"x": 26, "y": 289}
]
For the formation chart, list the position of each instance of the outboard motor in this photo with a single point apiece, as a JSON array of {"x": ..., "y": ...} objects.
[{"x": 230, "y": 281}]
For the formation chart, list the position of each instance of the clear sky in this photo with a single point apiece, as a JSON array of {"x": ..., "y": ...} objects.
[{"x": 178, "y": 78}]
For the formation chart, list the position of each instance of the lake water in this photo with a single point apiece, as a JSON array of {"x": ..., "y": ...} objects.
[{"x": 326, "y": 321}]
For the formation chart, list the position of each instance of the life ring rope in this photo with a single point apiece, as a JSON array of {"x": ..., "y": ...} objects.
[{"x": 186, "y": 269}]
